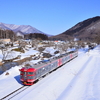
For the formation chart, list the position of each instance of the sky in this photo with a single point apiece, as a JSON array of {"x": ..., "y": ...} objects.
[{"x": 49, "y": 16}]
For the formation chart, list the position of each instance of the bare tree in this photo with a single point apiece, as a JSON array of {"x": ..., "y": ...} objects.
[
  {"x": 97, "y": 39},
  {"x": 5, "y": 52},
  {"x": 35, "y": 43},
  {"x": 65, "y": 46},
  {"x": 22, "y": 43}
]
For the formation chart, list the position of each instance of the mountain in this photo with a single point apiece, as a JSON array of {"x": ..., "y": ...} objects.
[
  {"x": 25, "y": 29},
  {"x": 85, "y": 30}
]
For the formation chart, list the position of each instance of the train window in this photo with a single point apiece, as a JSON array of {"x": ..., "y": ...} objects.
[
  {"x": 21, "y": 73},
  {"x": 21, "y": 76},
  {"x": 30, "y": 77},
  {"x": 30, "y": 73}
]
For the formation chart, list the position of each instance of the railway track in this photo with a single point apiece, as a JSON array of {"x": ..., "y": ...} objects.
[{"x": 14, "y": 93}]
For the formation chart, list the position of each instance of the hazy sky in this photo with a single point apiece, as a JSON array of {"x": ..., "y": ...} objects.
[{"x": 49, "y": 16}]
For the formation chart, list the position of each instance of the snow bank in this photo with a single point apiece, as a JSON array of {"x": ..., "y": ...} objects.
[{"x": 50, "y": 50}]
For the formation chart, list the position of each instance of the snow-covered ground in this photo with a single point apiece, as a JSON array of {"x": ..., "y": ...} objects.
[{"x": 78, "y": 79}]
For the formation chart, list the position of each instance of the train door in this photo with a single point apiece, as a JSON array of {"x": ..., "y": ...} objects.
[
  {"x": 23, "y": 75},
  {"x": 59, "y": 62},
  {"x": 71, "y": 56},
  {"x": 31, "y": 76},
  {"x": 38, "y": 73}
]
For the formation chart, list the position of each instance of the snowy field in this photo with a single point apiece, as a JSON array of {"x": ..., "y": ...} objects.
[{"x": 78, "y": 79}]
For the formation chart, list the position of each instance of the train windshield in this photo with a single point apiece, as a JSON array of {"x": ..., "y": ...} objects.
[
  {"x": 23, "y": 73},
  {"x": 30, "y": 73}
]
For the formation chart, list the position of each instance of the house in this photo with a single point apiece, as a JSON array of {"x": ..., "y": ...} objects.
[
  {"x": 5, "y": 41},
  {"x": 19, "y": 34}
]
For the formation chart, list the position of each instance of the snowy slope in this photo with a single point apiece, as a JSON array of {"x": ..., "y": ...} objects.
[{"x": 78, "y": 79}]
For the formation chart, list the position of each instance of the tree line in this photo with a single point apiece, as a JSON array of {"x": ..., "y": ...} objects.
[{"x": 5, "y": 34}]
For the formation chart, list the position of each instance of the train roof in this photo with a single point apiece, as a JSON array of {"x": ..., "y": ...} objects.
[
  {"x": 27, "y": 69},
  {"x": 42, "y": 63}
]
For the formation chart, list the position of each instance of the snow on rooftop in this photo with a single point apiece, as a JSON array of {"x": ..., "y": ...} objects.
[{"x": 50, "y": 50}]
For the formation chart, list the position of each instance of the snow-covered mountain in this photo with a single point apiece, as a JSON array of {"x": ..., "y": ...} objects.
[{"x": 25, "y": 29}]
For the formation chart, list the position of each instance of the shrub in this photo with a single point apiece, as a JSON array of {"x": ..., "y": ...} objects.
[{"x": 19, "y": 50}]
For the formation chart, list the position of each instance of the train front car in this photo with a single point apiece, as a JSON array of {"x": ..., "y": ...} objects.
[{"x": 27, "y": 75}]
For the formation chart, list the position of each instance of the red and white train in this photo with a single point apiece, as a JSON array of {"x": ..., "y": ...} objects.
[{"x": 29, "y": 74}]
